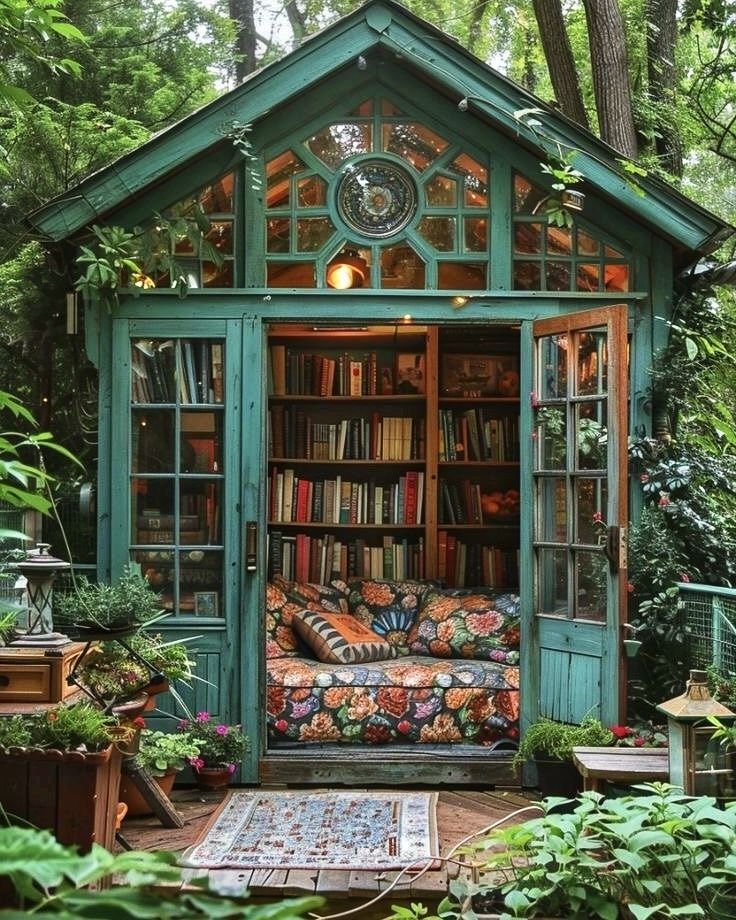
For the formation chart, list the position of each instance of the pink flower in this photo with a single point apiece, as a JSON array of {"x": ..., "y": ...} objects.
[
  {"x": 196, "y": 762},
  {"x": 203, "y": 716},
  {"x": 638, "y": 741},
  {"x": 231, "y": 768},
  {"x": 183, "y": 725},
  {"x": 684, "y": 577},
  {"x": 620, "y": 731},
  {"x": 221, "y": 729},
  {"x": 663, "y": 500},
  {"x": 644, "y": 477},
  {"x": 597, "y": 517}
]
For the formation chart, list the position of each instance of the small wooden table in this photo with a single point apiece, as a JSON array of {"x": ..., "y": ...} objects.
[{"x": 620, "y": 764}]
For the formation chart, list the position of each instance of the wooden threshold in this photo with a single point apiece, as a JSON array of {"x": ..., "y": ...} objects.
[{"x": 434, "y": 765}]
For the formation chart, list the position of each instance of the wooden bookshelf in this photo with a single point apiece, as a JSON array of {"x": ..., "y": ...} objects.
[{"x": 386, "y": 446}]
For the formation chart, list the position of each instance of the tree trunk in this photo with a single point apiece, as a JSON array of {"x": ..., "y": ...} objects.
[
  {"x": 661, "y": 42},
  {"x": 241, "y": 12},
  {"x": 296, "y": 20},
  {"x": 560, "y": 62},
  {"x": 607, "y": 41}
]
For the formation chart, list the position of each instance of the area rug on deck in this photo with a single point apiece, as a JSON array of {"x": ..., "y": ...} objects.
[{"x": 318, "y": 830}]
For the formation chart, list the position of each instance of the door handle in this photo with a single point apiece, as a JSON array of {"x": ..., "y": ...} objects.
[{"x": 251, "y": 546}]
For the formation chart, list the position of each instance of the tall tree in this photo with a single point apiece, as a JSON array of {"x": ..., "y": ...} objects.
[
  {"x": 661, "y": 20},
  {"x": 558, "y": 53},
  {"x": 241, "y": 13}
]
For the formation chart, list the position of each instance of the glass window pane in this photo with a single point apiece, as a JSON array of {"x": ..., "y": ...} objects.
[
  {"x": 476, "y": 234},
  {"x": 588, "y": 276},
  {"x": 551, "y": 524},
  {"x": 218, "y": 275},
  {"x": 527, "y": 276},
  {"x": 587, "y": 244},
  {"x": 527, "y": 237},
  {"x": 557, "y": 276},
  {"x": 218, "y": 197},
  {"x": 610, "y": 253},
  {"x": 291, "y": 274},
  {"x": 441, "y": 191},
  {"x": 553, "y": 582},
  {"x": 365, "y": 108},
  {"x": 592, "y": 363},
  {"x": 157, "y": 566},
  {"x": 551, "y": 436},
  {"x": 312, "y": 233},
  {"x": 461, "y": 276},
  {"x": 152, "y": 498},
  {"x": 616, "y": 277},
  {"x": 552, "y": 351},
  {"x": 335, "y": 143},
  {"x": 153, "y": 371},
  {"x": 412, "y": 141},
  {"x": 438, "y": 232},
  {"x": 591, "y": 501},
  {"x": 279, "y": 170},
  {"x": 401, "y": 267},
  {"x": 311, "y": 192},
  {"x": 559, "y": 240},
  {"x": 388, "y": 108},
  {"x": 200, "y": 576},
  {"x": 475, "y": 180},
  {"x": 278, "y": 230},
  {"x": 201, "y": 442},
  {"x": 591, "y": 575},
  {"x": 527, "y": 197},
  {"x": 592, "y": 435},
  {"x": 199, "y": 510},
  {"x": 220, "y": 235}
]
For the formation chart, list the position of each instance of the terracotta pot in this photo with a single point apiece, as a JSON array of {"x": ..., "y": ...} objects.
[
  {"x": 130, "y": 794},
  {"x": 212, "y": 777}
]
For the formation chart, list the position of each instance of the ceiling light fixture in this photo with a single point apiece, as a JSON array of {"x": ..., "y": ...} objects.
[{"x": 346, "y": 270}]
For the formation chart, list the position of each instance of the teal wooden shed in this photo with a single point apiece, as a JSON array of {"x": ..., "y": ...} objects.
[{"x": 402, "y": 356}]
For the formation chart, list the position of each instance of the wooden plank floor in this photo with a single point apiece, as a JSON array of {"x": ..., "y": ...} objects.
[{"x": 459, "y": 814}]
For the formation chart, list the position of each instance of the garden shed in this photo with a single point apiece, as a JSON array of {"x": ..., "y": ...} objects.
[{"x": 420, "y": 307}]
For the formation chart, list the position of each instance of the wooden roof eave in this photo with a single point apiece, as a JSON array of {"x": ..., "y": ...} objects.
[{"x": 442, "y": 61}]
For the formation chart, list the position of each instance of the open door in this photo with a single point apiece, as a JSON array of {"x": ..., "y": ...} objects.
[{"x": 579, "y": 518}]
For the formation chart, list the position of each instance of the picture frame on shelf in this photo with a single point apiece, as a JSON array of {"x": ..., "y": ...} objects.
[
  {"x": 205, "y": 604},
  {"x": 468, "y": 375},
  {"x": 410, "y": 378}
]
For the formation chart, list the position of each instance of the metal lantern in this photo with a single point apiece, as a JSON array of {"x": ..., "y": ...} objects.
[
  {"x": 698, "y": 762},
  {"x": 40, "y": 568}
]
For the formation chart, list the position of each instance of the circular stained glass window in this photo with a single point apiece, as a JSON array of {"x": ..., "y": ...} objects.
[{"x": 377, "y": 198}]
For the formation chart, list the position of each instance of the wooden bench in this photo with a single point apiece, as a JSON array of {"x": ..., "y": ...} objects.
[{"x": 620, "y": 764}]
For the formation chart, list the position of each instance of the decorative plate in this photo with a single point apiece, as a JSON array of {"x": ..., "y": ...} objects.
[{"x": 376, "y": 197}]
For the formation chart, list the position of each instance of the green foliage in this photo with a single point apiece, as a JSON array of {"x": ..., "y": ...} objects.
[
  {"x": 15, "y": 731},
  {"x": 128, "y": 601},
  {"x": 161, "y": 752},
  {"x": 67, "y": 727},
  {"x": 53, "y": 879},
  {"x": 722, "y": 686},
  {"x": 659, "y": 852},
  {"x": 219, "y": 745},
  {"x": 547, "y": 738}
]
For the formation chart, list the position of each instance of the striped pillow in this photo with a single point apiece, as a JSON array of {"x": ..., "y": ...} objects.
[{"x": 338, "y": 638}]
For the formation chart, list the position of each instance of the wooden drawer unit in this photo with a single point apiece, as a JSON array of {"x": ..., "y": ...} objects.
[{"x": 30, "y": 675}]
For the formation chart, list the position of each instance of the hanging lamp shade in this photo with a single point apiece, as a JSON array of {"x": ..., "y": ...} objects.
[{"x": 346, "y": 270}]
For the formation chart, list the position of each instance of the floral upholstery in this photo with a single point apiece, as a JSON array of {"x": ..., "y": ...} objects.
[
  {"x": 389, "y": 608},
  {"x": 480, "y": 626},
  {"x": 405, "y": 699},
  {"x": 284, "y": 599}
]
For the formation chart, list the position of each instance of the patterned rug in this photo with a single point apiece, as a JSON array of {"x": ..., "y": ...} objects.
[{"x": 318, "y": 830}]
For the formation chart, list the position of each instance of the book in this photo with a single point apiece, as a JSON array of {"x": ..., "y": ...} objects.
[
  {"x": 155, "y": 521},
  {"x": 216, "y": 359},
  {"x": 169, "y": 537}
]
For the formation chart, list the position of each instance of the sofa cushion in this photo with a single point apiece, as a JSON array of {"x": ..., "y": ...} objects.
[
  {"x": 339, "y": 638},
  {"x": 333, "y": 596},
  {"x": 281, "y": 642},
  {"x": 389, "y": 608},
  {"x": 479, "y": 626}
]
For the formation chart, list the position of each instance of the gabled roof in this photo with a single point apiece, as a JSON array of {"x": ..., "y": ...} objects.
[{"x": 385, "y": 27}]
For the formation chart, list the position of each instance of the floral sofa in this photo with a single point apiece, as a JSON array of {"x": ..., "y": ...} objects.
[{"x": 381, "y": 662}]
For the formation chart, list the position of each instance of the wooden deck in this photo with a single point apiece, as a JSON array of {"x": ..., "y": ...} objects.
[{"x": 459, "y": 814}]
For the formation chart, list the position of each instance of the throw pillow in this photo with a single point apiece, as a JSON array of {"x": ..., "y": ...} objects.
[
  {"x": 280, "y": 639},
  {"x": 388, "y": 607},
  {"x": 469, "y": 626},
  {"x": 315, "y": 597},
  {"x": 339, "y": 638}
]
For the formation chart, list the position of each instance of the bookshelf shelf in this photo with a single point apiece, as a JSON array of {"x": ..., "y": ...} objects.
[{"x": 364, "y": 482}]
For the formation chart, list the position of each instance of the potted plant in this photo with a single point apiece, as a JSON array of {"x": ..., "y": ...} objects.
[
  {"x": 95, "y": 610},
  {"x": 550, "y": 745},
  {"x": 61, "y": 771},
  {"x": 221, "y": 748},
  {"x": 162, "y": 755}
]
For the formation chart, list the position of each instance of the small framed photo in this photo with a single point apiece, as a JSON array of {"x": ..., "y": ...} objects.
[
  {"x": 479, "y": 375},
  {"x": 205, "y": 604},
  {"x": 410, "y": 374}
]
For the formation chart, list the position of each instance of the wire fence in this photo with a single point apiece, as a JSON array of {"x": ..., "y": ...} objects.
[{"x": 710, "y": 622}]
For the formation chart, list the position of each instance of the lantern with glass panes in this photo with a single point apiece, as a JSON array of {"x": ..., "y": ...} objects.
[
  {"x": 698, "y": 761},
  {"x": 40, "y": 568}
]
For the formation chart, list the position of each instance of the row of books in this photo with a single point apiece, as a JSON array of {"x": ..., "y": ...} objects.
[
  {"x": 198, "y": 522},
  {"x": 300, "y": 557},
  {"x": 300, "y": 373},
  {"x": 477, "y": 434},
  {"x": 296, "y": 434},
  {"x": 460, "y": 502},
  {"x": 296, "y": 499},
  {"x": 461, "y": 564},
  {"x": 161, "y": 372}
]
